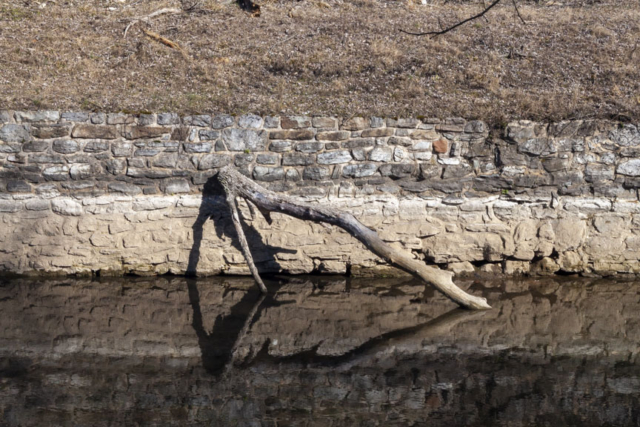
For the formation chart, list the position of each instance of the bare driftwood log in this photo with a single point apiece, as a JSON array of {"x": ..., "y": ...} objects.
[{"x": 237, "y": 185}]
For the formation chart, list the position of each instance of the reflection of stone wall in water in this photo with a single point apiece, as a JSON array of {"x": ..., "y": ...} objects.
[
  {"x": 117, "y": 193},
  {"x": 551, "y": 352}
]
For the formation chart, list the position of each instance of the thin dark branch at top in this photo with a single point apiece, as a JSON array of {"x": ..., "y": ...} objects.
[
  {"x": 515, "y": 5},
  {"x": 453, "y": 27}
]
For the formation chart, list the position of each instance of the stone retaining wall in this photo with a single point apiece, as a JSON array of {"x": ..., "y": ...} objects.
[{"x": 118, "y": 193}]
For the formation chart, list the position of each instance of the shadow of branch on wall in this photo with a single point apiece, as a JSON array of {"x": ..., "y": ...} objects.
[{"x": 214, "y": 208}]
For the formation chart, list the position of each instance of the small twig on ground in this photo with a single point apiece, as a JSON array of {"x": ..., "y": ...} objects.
[
  {"x": 151, "y": 15},
  {"x": 165, "y": 41}
]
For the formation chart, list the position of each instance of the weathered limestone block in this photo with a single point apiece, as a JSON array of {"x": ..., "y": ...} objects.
[
  {"x": 244, "y": 139},
  {"x": 48, "y": 131},
  {"x": 293, "y": 135},
  {"x": 334, "y": 157},
  {"x": 66, "y": 207},
  {"x": 14, "y": 133},
  {"x": 450, "y": 247},
  {"x": 267, "y": 174},
  {"x": 333, "y": 136},
  {"x": 94, "y": 132},
  {"x": 139, "y": 132}
]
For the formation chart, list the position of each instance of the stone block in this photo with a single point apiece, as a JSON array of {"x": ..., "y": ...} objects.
[
  {"x": 271, "y": 122},
  {"x": 244, "y": 139},
  {"x": 359, "y": 143},
  {"x": 94, "y": 132},
  {"x": 298, "y": 159},
  {"x": 116, "y": 166},
  {"x": 35, "y": 146},
  {"x": 381, "y": 154},
  {"x": 400, "y": 140},
  {"x": 148, "y": 132},
  {"x": 165, "y": 119},
  {"x": 9, "y": 206},
  {"x": 146, "y": 152},
  {"x": 461, "y": 268},
  {"x": 377, "y": 132},
  {"x": 124, "y": 188},
  {"x": 570, "y": 234},
  {"x": 377, "y": 122},
  {"x": 56, "y": 173},
  {"x": 10, "y": 148},
  {"x": 295, "y": 122},
  {"x": 629, "y": 168},
  {"x": 5, "y": 116},
  {"x": 208, "y": 135},
  {"x": 96, "y": 146},
  {"x": 146, "y": 119},
  {"x": 65, "y": 146},
  {"x": 37, "y": 205},
  {"x": 50, "y": 131},
  {"x": 309, "y": 147},
  {"x": 333, "y": 136},
  {"x": 66, "y": 207},
  {"x": 516, "y": 267},
  {"x": 316, "y": 173},
  {"x": 250, "y": 121},
  {"x": 334, "y": 157},
  {"x": 354, "y": 124},
  {"x": 280, "y": 146},
  {"x": 203, "y": 147},
  {"x": 222, "y": 121},
  {"x": 120, "y": 119},
  {"x": 325, "y": 122},
  {"x": 98, "y": 118},
  {"x": 595, "y": 172},
  {"x": 397, "y": 171},
  {"x": 165, "y": 160},
  {"x": 14, "y": 133},
  {"x": 199, "y": 121},
  {"x": 211, "y": 161},
  {"x": 294, "y": 135},
  {"x": 267, "y": 174},
  {"x": 36, "y": 116},
  {"x": 18, "y": 186},
  {"x": 267, "y": 159},
  {"x": 81, "y": 171},
  {"x": 292, "y": 175},
  {"x": 359, "y": 170},
  {"x": 243, "y": 159},
  {"x": 175, "y": 186}
]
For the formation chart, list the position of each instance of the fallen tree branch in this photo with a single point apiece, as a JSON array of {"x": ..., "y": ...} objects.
[
  {"x": 235, "y": 218},
  {"x": 453, "y": 27},
  {"x": 237, "y": 185},
  {"x": 151, "y": 15}
]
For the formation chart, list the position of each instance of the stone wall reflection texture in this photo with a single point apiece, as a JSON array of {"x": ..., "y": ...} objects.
[{"x": 330, "y": 351}]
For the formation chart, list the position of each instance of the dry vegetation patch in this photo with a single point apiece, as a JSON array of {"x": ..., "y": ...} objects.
[{"x": 324, "y": 57}]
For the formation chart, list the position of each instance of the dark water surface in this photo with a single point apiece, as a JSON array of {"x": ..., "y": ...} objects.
[{"x": 317, "y": 352}]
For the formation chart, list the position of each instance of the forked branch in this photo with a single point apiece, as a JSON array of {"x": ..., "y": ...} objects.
[
  {"x": 458, "y": 24},
  {"x": 237, "y": 185}
]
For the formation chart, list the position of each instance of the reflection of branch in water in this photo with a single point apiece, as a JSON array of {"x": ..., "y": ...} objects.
[
  {"x": 217, "y": 346},
  {"x": 438, "y": 326},
  {"x": 243, "y": 332}
]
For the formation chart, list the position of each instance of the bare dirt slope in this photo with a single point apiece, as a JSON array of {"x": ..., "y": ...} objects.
[{"x": 324, "y": 57}]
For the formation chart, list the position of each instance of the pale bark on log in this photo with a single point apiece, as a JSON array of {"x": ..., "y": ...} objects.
[{"x": 235, "y": 184}]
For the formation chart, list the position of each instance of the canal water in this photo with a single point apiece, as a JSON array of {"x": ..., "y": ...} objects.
[{"x": 317, "y": 351}]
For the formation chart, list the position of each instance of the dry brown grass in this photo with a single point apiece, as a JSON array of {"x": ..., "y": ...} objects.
[{"x": 324, "y": 57}]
